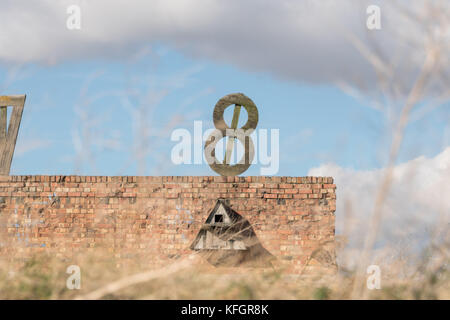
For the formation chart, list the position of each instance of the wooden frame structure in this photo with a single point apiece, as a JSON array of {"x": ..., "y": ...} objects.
[{"x": 9, "y": 133}]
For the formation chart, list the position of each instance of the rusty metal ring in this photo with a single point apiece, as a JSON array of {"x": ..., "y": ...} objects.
[
  {"x": 237, "y": 99},
  {"x": 227, "y": 169}
]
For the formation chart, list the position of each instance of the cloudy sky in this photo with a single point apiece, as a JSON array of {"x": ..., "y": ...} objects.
[{"x": 105, "y": 98}]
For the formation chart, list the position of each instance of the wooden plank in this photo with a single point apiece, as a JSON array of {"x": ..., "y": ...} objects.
[
  {"x": 9, "y": 143},
  {"x": 17, "y": 100},
  {"x": 3, "y": 122},
  {"x": 230, "y": 143}
]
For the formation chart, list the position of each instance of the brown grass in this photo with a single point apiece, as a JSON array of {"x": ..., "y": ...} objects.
[{"x": 44, "y": 277}]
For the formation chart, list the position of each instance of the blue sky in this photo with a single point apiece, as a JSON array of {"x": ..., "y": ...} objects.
[
  {"x": 145, "y": 68},
  {"x": 154, "y": 66},
  {"x": 318, "y": 123}
]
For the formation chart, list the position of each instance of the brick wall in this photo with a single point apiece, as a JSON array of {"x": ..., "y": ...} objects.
[{"x": 154, "y": 220}]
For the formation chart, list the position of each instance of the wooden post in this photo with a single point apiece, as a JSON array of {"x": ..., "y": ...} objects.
[
  {"x": 8, "y": 137},
  {"x": 3, "y": 121},
  {"x": 230, "y": 143}
]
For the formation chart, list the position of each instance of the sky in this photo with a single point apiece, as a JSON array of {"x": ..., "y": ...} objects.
[
  {"x": 145, "y": 68},
  {"x": 317, "y": 123},
  {"x": 87, "y": 87}
]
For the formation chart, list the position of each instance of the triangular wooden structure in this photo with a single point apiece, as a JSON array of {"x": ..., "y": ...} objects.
[
  {"x": 227, "y": 239},
  {"x": 8, "y": 134}
]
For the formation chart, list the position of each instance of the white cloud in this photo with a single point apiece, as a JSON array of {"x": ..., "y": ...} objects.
[
  {"x": 418, "y": 201},
  {"x": 300, "y": 40}
]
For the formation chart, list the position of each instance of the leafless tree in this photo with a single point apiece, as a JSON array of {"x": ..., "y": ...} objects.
[{"x": 409, "y": 84}]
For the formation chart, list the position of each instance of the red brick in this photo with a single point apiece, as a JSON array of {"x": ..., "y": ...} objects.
[{"x": 151, "y": 218}]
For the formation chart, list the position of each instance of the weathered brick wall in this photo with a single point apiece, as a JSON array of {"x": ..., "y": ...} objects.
[{"x": 155, "y": 219}]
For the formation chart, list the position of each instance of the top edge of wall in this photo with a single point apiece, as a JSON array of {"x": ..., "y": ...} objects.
[{"x": 76, "y": 178}]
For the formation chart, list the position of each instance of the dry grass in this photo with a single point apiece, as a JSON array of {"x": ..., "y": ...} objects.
[{"x": 44, "y": 277}]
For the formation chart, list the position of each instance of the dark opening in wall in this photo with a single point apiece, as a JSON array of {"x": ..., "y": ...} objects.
[{"x": 228, "y": 239}]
